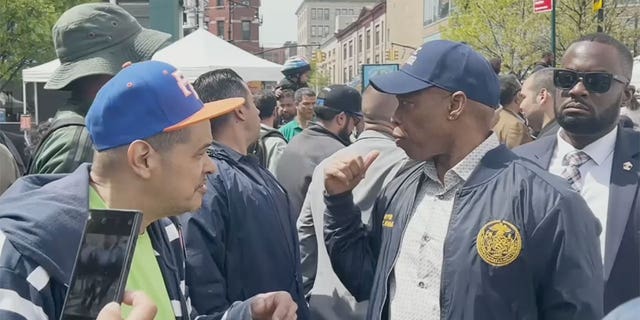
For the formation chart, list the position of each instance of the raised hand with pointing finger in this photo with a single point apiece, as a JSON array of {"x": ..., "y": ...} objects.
[{"x": 345, "y": 174}]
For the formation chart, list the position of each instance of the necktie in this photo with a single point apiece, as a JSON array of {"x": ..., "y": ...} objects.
[{"x": 572, "y": 162}]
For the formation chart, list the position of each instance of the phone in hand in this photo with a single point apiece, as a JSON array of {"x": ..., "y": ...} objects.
[{"x": 102, "y": 263}]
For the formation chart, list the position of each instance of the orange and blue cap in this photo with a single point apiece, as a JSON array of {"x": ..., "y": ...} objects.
[{"x": 146, "y": 99}]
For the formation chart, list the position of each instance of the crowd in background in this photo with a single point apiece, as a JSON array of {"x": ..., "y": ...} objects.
[{"x": 443, "y": 191}]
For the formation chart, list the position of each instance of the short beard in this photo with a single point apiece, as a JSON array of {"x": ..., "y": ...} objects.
[
  {"x": 590, "y": 126},
  {"x": 344, "y": 134}
]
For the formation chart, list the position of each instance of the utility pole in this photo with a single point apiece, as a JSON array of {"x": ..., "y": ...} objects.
[
  {"x": 231, "y": 6},
  {"x": 553, "y": 32},
  {"x": 166, "y": 16},
  {"x": 599, "y": 5},
  {"x": 202, "y": 6}
]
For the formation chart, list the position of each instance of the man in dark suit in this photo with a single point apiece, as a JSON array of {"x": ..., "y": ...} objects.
[{"x": 599, "y": 159}]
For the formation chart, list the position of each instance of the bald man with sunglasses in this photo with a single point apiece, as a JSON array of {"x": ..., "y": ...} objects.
[{"x": 597, "y": 157}]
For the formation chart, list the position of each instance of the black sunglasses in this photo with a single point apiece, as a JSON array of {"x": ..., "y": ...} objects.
[{"x": 596, "y": 82}]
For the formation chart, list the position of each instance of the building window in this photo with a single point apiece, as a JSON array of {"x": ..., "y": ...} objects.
[
  {"x": 350, "y": 48},
  {"x": 220, "y": 25},
  {"x": 220, "y": 3},
  {"x": 351, "y": 12},
  {"x": 360, "y": 39},
  {"x": 435, "y": 10},
  {"x": 382, "y": 32},
  {"x": 350, "y": 73},
  {"x": 344, "y": 55},
  {"x": 368, "y": 39},
  {"x": 377, "y": 58},
  {"x": 368, "y": 60},
  {"x": 326, "y": 14},
  {"x": 313, "y": 31},
  {"x": 313, "y": 14},
  {"x": 326, "y": 31},
  {"x": 345, "y": 75},
  {"x": 246, "y": 30}
]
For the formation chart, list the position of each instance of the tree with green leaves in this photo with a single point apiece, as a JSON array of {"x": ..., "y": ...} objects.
[
  {"x": 509, "y": 30},
  {"x": 318, "y": 79},
  {"x": 26, "y": 37}
]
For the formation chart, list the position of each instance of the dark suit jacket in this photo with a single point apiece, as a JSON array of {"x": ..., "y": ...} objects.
[
  {"x": 621, "y": 256},
  {"x": 551, "y": 129}
]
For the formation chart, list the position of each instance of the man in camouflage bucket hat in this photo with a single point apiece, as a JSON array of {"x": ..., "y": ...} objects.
[{"x": 92, "y": 41}]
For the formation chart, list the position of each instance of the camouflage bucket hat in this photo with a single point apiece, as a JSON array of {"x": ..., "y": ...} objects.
[{"x": 98, "y": 38}]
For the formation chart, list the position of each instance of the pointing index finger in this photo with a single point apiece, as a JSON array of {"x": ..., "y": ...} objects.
[{"x": 370, "y": 158}]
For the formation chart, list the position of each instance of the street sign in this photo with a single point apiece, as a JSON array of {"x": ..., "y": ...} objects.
[
  {"x": 541, "y": 6},
  {"x": 597, "y": 5}
]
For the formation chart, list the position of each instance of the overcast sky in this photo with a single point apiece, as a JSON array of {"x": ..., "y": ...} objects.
[{"x": 279, "y": 22}]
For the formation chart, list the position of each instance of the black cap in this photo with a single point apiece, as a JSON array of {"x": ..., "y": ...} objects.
[{"x": 341, "y": 97}]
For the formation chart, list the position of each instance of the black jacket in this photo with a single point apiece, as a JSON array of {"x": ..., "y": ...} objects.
[
  {"x": 555, "y": 271},
  {"x": 304, "y": 152}
]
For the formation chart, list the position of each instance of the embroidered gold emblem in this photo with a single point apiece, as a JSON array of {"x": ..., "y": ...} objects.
[
  {"x": 387, "y": 220},
  {"x": 499, "y": 243}
]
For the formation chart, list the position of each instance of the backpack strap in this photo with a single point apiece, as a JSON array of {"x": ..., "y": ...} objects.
[
  {"x": 56, "y": 124},
  {"x": 271, "y": 133}
]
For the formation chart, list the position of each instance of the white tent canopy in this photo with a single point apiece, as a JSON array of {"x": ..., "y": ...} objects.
[
  {"x": 201, "y": 51},
  {"x": 40, "y": 73},
  {"x": 35, "y": 75},
  {"x": 635, "y": 77}
]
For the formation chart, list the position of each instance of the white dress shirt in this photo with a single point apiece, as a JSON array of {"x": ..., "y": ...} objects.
[
  {"x": 595, "y": 174},
  {"x": 415, "y": 284}
]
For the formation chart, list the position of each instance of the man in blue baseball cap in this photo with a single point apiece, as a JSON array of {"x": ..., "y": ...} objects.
[
  {"x": 472, "y": 231},
  {"x": 151, "y": 133}
]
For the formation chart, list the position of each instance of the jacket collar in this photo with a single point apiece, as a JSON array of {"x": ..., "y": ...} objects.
[
  {"x": 220, "y": 149},
  {"x": 318, "y": 130},
  {"x": 491, "y": 164}
]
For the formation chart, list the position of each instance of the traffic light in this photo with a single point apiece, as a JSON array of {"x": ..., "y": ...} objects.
[
  {"x": 319, "y": 57},
  {"x": 391, "y": 55}
]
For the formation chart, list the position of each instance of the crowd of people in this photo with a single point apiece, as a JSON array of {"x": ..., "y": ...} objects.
[{"x": 444, "y": 191}]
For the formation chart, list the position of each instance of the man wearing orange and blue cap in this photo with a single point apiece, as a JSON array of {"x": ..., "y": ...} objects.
[{"x": 151, "y": 133}]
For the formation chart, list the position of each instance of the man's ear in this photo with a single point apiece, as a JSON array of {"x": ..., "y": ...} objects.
[
  {"x": 458, "y": 102},
  {"x": 241, "y": 113},
  {"x": 341, "y": 119},
  {"x": 142, "y": 158},
  {"x": 627, "y": 95},
  {"x": 543, "y": 96}
]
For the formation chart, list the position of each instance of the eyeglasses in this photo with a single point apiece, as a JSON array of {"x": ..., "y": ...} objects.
[
  {"x": 596, "y": 82},
  {"x": 356, "y": 119}
]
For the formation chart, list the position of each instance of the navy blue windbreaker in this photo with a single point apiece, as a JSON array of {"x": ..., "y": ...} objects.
[
  {"x": 243, "y": 241},
  {"x": 520, "y": 245},
  {"x": 41, "y": 223}
]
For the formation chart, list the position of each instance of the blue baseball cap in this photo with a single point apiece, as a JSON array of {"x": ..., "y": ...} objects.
[
  {"x": 146, "y": 99},
  {"x": 448, "y": 65}
]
